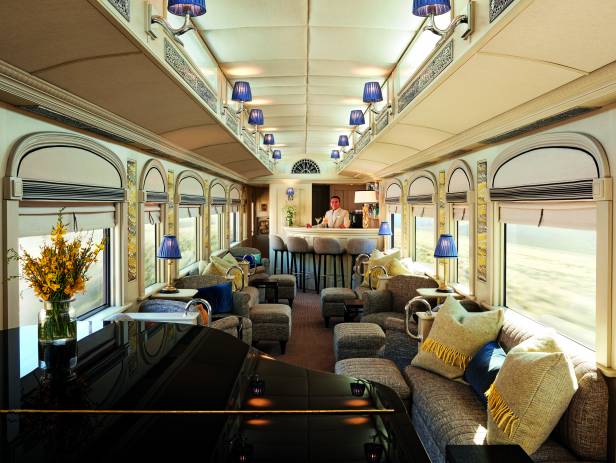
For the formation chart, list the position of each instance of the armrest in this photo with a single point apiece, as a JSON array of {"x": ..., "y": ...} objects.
[
  {"x": 377, "y": 301},
  {"x": 242, "y": 303}
]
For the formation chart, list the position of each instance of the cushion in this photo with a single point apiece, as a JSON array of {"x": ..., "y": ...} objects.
[
  {"x": 219, "y": 296},
  {"x": 456, "y": 336},
  {"x": 379, "y": 258},
  {"x": 380, "y": 318},
  {"x": 483, "y": 368},
  {"x": 271, "y": 313},
  {"x": 224, "y": 264},
  {"x": 396, "y": 268},
  {"x": 381, "y": 371},
  {"x": 211, "y": 269},
  {"x": 531, "y": 392}
]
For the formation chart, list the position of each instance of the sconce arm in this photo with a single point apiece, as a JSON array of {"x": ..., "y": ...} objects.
[
  {"x": 460, "y": 19},
  {"x": 174, "y": 32}
]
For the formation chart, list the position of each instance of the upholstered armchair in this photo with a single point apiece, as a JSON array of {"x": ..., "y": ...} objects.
[
  {"x": 240, "y": 251},
  {"x": 379, "y": 305}
]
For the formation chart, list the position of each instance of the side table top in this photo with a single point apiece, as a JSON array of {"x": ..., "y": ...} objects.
[
  {"x": 486, "y": 454},
  {"x": 432, "y": 292}
]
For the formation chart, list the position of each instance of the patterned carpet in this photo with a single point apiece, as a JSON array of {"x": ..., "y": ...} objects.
[{"x": 311, "y": 344}]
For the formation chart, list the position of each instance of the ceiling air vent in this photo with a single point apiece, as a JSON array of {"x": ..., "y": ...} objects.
[
  {"x": 305, "y": 166},
  {"x": 72, "y": 122},
  {"x": 541, "y": 123}
]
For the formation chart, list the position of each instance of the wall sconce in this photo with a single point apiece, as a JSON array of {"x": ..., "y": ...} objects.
[
  {"x": 335, "y": 156},
  {"x": 186, "y": 8},
  {"x": 357, "y": 118},
  {"x": 241, "y": 93},
  {"x": 372, "y": 94},
  {"x": 256, "y": 119},
  {"x": 343, "y": 142},
  {"x": 431, "y": 8},
  {"x": 277, "y": 155},
  {"x": 268, "y": 139},
  {"x": 290, "y": 193}
]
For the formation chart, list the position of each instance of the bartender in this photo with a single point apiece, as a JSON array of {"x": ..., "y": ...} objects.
[{"x": 336, "y": 217}]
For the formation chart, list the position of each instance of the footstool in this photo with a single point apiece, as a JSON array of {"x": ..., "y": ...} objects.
[
  {"x": 286, "y": 286},
  {"x": 332, "y": 302},
  {"x": 271, "y": 322},
  {"x": 379, "y": 370},
  {"x": 355, "y": 340}
]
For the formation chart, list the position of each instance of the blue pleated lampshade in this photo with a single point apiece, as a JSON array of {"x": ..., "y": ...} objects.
[
  {"x": 372, "y": 92},
  {"x": 255, "y": 117},
  {"x": 425, "y": 8},
  {"x": 184, "y": 7},
  {"x": 446, "y": 247},
  {"x": 335, "y": 154},
  {"x": 277, "y": 154},
  {"x": 268, "y": 139},
  {"x": 343, "y": 140},
  {"x": 385, "y": 229},
  {"x": 169, "y": 248},
  {"x": 357, "y": 117},
  {"x": 241, "y": 91}
]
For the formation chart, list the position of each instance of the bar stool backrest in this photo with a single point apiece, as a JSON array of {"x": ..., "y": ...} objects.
[
  {"x": 297, "y": 244},
  {"x": 357, "y": 246},
  {"x": 330, "y": 246},
  {"x": 278, "y": 243}
]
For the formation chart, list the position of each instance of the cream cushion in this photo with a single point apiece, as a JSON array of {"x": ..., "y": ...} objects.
[
  {"x": 530, "y": 394},
  {"x": 456, "y": 336},
  {"x": 222, "y": 265},
  {"x": 379, "y": 258},
  {"x": 396, "y": 267}
]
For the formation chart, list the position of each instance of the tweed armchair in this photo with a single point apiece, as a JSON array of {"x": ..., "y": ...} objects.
[
  {"x": 380, "y": 305},
  {"x": 240, "y": 251}
]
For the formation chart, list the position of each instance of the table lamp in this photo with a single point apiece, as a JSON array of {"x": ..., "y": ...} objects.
[
  {"x": 384, "y": 230},
  {"x": 170, "y": 250},
  {"x": 366, "y": 197},
  {"x": 445, "y": 249}
]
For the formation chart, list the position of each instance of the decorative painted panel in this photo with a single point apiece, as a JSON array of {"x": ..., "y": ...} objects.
[
  {"x": 249, "y": 141},
  {"x": 362, "y": 142},
  {"x": 442, "y": 59},
  {"x": 123, "y": 7},
  {"x": 232, "y": 122},
  {"x": 381, "y": 122},
  {"x": 442, "y": 205},
  {"x": 188, "y": 74},
  {"x": 482, "y": 220},
  {"x": 131, "y": 175},
  {"x": 497, "y": 7},
  {"x": 170, "y": 204}
]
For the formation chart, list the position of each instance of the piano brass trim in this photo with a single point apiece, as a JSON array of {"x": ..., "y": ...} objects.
[{"x": 31, "y": 411}]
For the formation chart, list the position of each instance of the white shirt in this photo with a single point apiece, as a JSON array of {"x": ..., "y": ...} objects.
[{"x": 336, "y": 218}]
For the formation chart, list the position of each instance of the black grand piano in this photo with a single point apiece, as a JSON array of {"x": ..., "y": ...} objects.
[{"x": 181, "y": 392}]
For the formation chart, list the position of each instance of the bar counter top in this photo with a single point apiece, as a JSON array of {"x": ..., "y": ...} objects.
[{"x": 341, "y": 233}]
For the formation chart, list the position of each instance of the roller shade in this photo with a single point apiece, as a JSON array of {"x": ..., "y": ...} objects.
[
  {"x": 575, "y": 215},
  {"x": 235, "y": 207},
  {"x": 394, "y": 208},
  {"x": 461, "y": 213},
  {"x": 38, "y": 221},
  {"x": 420, "y": 211},
  {"x": 188, "y": 212},
  {"x": 152, "y": 214}
]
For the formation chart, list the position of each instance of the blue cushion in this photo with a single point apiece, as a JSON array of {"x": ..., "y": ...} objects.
[
  {"x": 219, "y": 296},
  {"x": 483, "y": 368}
]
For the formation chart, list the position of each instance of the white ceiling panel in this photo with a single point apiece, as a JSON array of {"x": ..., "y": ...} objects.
[
  {"x": 225, "y": 14},
  {"x": 289, "y": 81},
  {"x": 346, "y": 68},
  {"x": 414, "y": 137},
  {"x": 366, "y": 14},
  {"x": 258, "y": 70}
]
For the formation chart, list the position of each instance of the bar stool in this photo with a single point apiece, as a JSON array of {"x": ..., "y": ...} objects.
[
  {"x": 358, "y": 246},
  {"x": 278, "y": 246},
  {"x": 328, "y": 247},
  {"x": 298, "y": 248}
]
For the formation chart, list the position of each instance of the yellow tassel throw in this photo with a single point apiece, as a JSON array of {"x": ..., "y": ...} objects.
[
  {"x": 502, "y": 415},
  {"x": 446, "y": 354}
]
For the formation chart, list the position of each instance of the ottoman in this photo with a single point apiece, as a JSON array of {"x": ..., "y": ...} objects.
[
  {"x": 379, "y": 370},
  {"x": 286, "y": 286},
  {"x": 355, "y": 340},
  {"x": 271, "y": 322},
  {"x": 332, "y": 302}
]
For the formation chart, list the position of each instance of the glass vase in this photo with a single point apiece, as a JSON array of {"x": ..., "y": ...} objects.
[{"x": 57, "y": 336}]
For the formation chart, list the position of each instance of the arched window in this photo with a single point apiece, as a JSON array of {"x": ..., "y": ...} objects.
[
  {"x": 305, "y": 166},
  {"x": 462, "y": 223},
  {"x": 218, "y": 203},
  {"x": 551, "y": 195},
  {"x": 235, "y": 201},
  {"x": 393, "y": 203},
  {"x": 422, "y": 198},
  {"x": 43, "y": 183},
  {"x": 153, "y": 198},
  {"x": 190, "y": 198}
]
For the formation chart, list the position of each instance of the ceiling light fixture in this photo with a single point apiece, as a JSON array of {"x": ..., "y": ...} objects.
[
  {"x": 186, "y": 8},
  {"x": 431, "y": 8}
]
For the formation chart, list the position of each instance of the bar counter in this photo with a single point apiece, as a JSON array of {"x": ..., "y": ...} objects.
[{"x": 343, "y": 234}]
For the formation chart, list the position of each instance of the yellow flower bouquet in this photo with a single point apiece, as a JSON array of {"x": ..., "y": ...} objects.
[{"x": 56, "y": 276}]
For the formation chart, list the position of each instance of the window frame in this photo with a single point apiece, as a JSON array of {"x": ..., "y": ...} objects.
[
  {"x": 427, "y": 267},
  {"x": 107, "y": 277},
  {"x": 455, "y": 272},
  {"x": 197, "y": 242}
]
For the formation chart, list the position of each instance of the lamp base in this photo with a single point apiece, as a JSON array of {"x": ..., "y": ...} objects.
[
  {"x": 446, "y": 289},
  {"x": 169, "y": 290}
]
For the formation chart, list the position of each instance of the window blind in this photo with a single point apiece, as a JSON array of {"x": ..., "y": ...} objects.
[
  {"x": 580, "y": 215},
  {"x": 187, "y": 212},
  {"x": 152, "y": 214},
  {"x": 420, "y": 211},
  {"x": 461, "y": 212},
  {"x": 38, "y": 221}
]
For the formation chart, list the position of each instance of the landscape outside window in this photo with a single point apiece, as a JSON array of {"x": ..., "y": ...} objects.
[
  {"x": 463, "y": 261},
  {"x": 396, "y": 224},
  {"x": 550, "y": 276},
  {"x": 424, "y": 242},
  {"x": 188, "y": 241},
  {"x": 215, "y": 233},
  {"x": 149, "y": 254},
  {"x": 94, "y": 296}
]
